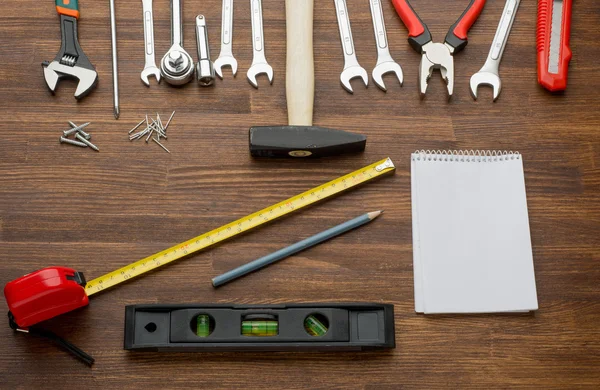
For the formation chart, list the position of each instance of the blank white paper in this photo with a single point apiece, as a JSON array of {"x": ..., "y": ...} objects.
[{"x": 471, "y": 239}]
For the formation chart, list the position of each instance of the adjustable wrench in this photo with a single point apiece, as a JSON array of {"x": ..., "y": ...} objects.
[
  {"x": 150, "y": 68},
  {"x": 177, "y": 66},
  {"x": 259, "y": 62},
  {"x": 488, "y": 74},
  {"x": 385, "y": 62},
  {"x": 351, "y": 67},
  {"x": 226, "y": 55}
]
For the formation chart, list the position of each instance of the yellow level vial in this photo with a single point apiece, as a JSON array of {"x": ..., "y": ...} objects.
[{"x": 242, "y": 225}]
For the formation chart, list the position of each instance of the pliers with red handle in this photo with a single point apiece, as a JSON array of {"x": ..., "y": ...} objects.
[{"x": 437, "y": 55}]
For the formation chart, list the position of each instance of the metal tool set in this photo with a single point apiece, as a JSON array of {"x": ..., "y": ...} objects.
[{"x": 52, "y": 291}]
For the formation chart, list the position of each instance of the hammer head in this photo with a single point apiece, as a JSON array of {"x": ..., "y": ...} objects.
[{"x": 303, "y": 141}]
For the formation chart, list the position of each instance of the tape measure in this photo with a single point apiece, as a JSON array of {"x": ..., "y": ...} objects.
[
  {"x": 52, "y": 291},
  {"x": 242, "y": 225}
]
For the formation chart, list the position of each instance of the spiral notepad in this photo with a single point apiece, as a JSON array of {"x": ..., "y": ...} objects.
[{"x": 471, "y": 240}]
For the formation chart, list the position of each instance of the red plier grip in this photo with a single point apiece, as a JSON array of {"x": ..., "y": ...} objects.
[
  {"x": 554, "y": 79},
  {"x": 419, "y": 35},
  {"x": 457, "y": 35}
]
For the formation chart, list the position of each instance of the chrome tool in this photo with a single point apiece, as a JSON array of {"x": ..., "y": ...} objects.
[
  {"x": 488, "y": 74},
  {"x": 205, "y": 72},
  {"x": 70, "y": 62},
  {"x": 177, "y": 66},
  {"x": 150, "y": 68},
  {"x": 115, "y": 68},
  {"x": 351, "y": 67},
  {"x": 259, "y": 62},
  {"x": 385, "y": 62},
  {"x": 436, "y": 55},
  {"x": 226, "y": 55}
]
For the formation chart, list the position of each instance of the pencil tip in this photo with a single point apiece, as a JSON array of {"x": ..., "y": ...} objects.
[{"x": 374, "y": 214}]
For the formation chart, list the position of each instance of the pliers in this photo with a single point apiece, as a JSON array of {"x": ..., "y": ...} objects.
[{"x": 437, "y": 55}]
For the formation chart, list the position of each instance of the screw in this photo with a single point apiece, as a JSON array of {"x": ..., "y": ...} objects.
[
  {"x": 86, "y": 135},
  {"x": 72, "y": 142},
  {"x": 85, "y": 141},
  {"x": 75, "y": 128}
]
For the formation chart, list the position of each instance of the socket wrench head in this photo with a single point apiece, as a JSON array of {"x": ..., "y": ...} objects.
[
  {"x": 177, "y": 67},
  {"x": 205, "y": 71}
]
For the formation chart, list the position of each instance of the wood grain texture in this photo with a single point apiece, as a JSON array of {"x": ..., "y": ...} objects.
[{"x": 62, "y": 205}]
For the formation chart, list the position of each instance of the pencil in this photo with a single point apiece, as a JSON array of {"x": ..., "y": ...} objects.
[{"x": 294, "y": 248}]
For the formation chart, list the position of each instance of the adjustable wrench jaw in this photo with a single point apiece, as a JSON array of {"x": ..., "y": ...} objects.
[
  {"x": 436, "y": 56},
  {"x": 70, "y": 62},
  {"x": 54, "y": 71}
]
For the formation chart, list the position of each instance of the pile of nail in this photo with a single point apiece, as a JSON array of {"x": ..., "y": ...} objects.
[
  {"x": 82, "y": 139},
  {"x": 153, "y": 127}
]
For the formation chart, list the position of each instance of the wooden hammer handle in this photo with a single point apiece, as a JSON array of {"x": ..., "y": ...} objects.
[{"x": 300, "y": 68}]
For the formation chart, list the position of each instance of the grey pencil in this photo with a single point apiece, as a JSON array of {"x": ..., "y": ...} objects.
[{"x": 294, "y": 248}]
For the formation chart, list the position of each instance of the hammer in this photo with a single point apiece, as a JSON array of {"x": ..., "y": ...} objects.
[{"x": 300, "y": 138}]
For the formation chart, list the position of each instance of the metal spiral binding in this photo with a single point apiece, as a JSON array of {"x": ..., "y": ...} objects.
[
  {"x": 68, "y": 60},
  {"x": 465, "y": 155}
]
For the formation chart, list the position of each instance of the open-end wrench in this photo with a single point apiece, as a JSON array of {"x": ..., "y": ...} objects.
[
  {"x": 150, "y": 68},
  {"x": 226, "y": 55},
  {"x": 177, "y": 66},
  {"x": 259, "y": 62},
  {"x": 385, "y": 62},
  {"x": 351, "y": 67},
  {"x": 488, "y": 74}
]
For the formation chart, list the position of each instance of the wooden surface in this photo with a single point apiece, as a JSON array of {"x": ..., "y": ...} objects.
[{"x": 62, "y": 205}]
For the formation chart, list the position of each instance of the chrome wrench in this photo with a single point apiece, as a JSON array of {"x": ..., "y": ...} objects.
[
  {"x": 351, "y": 67},
  {"x": 226, "y": 55},
  {"x": 488, "y": 74},
  {"x": 259, "y": 62},
  {"x": 150, "y": 68},
  {"x": 385, "y": 62},
  {"x": 177, "y": 66}
]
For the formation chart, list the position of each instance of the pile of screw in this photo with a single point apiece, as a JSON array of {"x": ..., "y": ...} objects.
[
  {"x": 153, "y": 127},
  {"x": 82, "y": 138}
]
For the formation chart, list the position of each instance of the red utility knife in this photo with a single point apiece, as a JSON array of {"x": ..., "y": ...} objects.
[{"x": 553, "y": 51}]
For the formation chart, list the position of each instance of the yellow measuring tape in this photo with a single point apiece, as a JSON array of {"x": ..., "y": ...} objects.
[{"x": 243, "y": 224}]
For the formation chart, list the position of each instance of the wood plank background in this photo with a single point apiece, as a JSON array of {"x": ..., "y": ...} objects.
[{"x": 62, "y": 205}]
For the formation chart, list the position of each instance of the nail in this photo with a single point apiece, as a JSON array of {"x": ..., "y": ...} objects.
[
  {"x": 161, "y": 145},
  {"x": 136, "y": 126},
  {"x": 169, "y": 121}
]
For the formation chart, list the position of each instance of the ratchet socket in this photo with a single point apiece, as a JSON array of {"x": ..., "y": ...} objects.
[{"x": 205, "y": 71}]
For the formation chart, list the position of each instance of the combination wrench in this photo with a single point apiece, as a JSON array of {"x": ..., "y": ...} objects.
[
  {"x": 259, "y": 62},
  {"x": 177, "y": 66},
  {"x": 488, "y": 74},
  {"x": 150, "y": 68},
  {"x": 385, "y": 62},
  {"x": 226, "y": 55},
  {"x": 351, "y": 67}
]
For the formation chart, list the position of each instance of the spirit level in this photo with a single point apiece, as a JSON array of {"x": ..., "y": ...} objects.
[
  {"x": 49, "y": 292},
  {"x": 284, "y": 327}
]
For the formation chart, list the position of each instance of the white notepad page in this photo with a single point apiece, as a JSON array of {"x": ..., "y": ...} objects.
[{"x": 471, "y": 240}]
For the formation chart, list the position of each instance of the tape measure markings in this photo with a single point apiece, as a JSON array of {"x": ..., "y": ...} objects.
[{"x": 239, "y": 226}]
